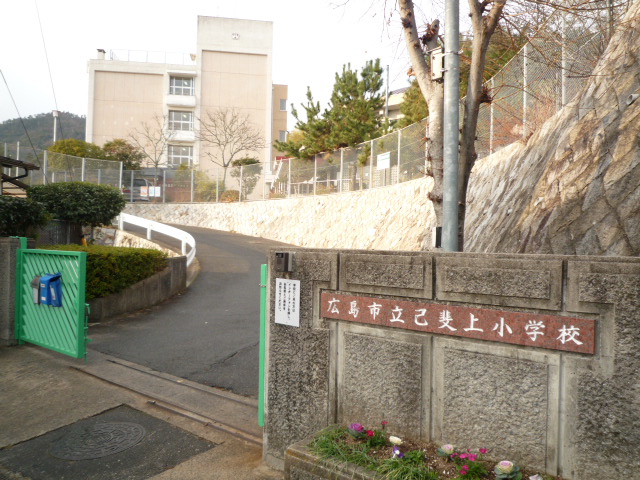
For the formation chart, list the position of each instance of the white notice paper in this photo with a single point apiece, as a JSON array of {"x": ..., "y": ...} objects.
[{"x": 288, "y": 302}]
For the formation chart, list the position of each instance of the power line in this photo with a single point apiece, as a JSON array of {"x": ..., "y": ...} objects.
[
  {"x": 46, "y": 56},
  {"x": 55, "y": 100},
  {"x": 35, "y": 152}
]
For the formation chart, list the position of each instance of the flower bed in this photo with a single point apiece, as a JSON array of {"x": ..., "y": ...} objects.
[{"x": 356, "y": 452}]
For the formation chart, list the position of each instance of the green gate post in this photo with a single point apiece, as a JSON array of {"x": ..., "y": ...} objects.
[
  {"x": 62, "y": 329},
  {"x": 263, "y": 341},
  {"x": 17, "y": 325}
]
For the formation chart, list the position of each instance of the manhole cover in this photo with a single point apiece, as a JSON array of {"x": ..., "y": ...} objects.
[{"x": 98, "y": 440}]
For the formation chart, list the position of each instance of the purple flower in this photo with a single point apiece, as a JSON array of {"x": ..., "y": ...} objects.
[
  {"x": 505, "y": 466},
  {"x": 397, "y": 453},
  {"x": 356, "y": 427},
  {"x": 447, "y": 449}
]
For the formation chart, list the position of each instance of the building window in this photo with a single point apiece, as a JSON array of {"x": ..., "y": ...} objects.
[
  {"x": 180, "y": 155},
  {"x": 181, "y": 86},
  {"x": 283, "y": 104},
  {"x": 180, "y": 120},
  {"x": 283, "y": 136}
]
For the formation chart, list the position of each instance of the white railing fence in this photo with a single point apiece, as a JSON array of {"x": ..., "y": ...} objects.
[{"x": 185, "y": 238}]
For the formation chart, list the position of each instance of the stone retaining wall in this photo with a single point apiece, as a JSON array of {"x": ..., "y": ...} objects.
[
  {"x": 390, "y": 218},
  {"x": 568, "y": 407},
  {"x": 144, "y": 294}
]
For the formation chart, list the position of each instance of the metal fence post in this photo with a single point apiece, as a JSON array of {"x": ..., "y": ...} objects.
[
  {"x": 131, "y": 191},
  {"x": 240, "y": 185},
  {"x": 192, "y": 185},
  {"x": 525, "y": 95},
  {"x": 491, "y": 113},
  {"x": 45, "y": 167},
  {"x": 341, "y": 169},
  {"x": 289, "y": 179},
  {"x": 399, "y": 151},
  {"x": 120, "y": 184},
  {"x": 315, "y": 172},
  {"x": 82, "y": 170},
  {"x": 164, "y": 186},
  {"x": 371, "y": 164},
  {"x": 563, "y": 72}
]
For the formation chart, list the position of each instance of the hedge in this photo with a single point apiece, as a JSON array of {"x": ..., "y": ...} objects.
[{"x": 113, "y": 269}]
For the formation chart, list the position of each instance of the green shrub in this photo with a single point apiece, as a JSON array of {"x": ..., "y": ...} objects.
[
  {"x": 113, "y": 269},
  {"x": 20, "y": 216},
  {"x": 80, "y": 202}
]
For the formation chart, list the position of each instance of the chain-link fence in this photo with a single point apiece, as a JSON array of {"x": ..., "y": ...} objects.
[
  {"x": 543, "y": 77},
  {"x": 57, "y": 167},
  {"x": 396, "y": 157}
]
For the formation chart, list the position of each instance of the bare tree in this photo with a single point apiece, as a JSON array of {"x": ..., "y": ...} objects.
[
  {"x": 484, "y": 19},
  {"x": 230, "y": 134},
  {"x": 522, "y": 17},
  {"x": 152, "y": 138}
]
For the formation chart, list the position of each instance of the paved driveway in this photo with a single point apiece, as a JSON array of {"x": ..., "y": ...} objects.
[{"x": 210, "y": 333}]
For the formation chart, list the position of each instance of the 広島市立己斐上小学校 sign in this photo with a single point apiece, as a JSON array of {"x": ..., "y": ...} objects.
[{"x": 554, "y": 332}]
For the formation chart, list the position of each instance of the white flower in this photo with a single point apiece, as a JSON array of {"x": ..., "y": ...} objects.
[
  {"x": 505, "y": 466},
  {"x": 536, "y": 477},
  {"x": 395, "y": 440},
  {"x": 448, "y": 449}
]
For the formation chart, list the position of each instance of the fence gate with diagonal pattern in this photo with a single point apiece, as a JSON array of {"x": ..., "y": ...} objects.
[{"x": 64, "y": 328}]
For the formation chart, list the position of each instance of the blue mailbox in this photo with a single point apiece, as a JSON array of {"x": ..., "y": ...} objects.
[{"x": 51, "y": 289}]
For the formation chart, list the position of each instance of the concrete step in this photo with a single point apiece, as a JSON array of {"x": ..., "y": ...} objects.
[{"x": 217, "y": 408}]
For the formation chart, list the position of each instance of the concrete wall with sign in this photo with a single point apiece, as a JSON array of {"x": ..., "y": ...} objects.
[{"x": 535, "y": 357}]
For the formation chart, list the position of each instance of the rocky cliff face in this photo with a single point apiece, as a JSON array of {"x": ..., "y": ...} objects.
[{"x": 574, "y": 188}]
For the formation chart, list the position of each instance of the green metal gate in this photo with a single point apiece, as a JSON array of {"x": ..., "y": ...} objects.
[{"x": 62, "y": 329}]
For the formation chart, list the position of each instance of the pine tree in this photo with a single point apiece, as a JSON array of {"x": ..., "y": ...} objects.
[
  {"x": 353, "y": 115},
  {"x": 355, "y": 106},
  {"x": 314, "y": 132},
  {"x": 413, "y": 106}
]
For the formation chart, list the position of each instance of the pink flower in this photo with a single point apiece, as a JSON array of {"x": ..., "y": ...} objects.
[
  {"x": 472, "y": 457},
  {"x": 384, "y": 422},
  {"x": 483, "y": 450},
  {"x": 464, "y": 455},
  {"x": 356, "y": 427},
  {"x": 370, "y": 433}
]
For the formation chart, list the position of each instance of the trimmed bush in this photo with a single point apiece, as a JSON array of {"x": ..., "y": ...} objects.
[
  {"x": 80, "y": 202},
  {"x": 113, "y": 269},
  {"x": 20, "y": 216}
]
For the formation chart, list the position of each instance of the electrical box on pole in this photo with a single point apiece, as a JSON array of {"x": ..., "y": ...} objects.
[{"x": 437, "y": 64}]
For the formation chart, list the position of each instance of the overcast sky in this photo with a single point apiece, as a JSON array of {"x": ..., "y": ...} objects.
[{"x": 312, "y": 40}]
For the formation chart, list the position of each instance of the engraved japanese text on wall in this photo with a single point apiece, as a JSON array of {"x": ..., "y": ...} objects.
[{"x": 554, "y": 332}]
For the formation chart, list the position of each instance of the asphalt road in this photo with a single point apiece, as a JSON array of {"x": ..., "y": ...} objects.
[{"x": 208, "y": 334}]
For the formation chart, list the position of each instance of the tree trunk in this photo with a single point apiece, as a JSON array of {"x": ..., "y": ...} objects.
[
  {"x": 433, "y": 92},
  {"x": 483, "y": 28}
]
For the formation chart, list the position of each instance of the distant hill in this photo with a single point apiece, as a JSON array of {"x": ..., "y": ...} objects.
[{"x": 40, "y": 128}]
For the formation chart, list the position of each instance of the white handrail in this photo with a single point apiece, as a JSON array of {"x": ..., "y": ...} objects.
[{"x": 151, "y": 226}]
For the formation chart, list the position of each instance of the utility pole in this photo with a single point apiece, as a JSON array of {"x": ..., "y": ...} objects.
[
  {"x": 451, "y": 133},
  {"x": 55, "y": 124},
  {"x": 386, "y": 103}
]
